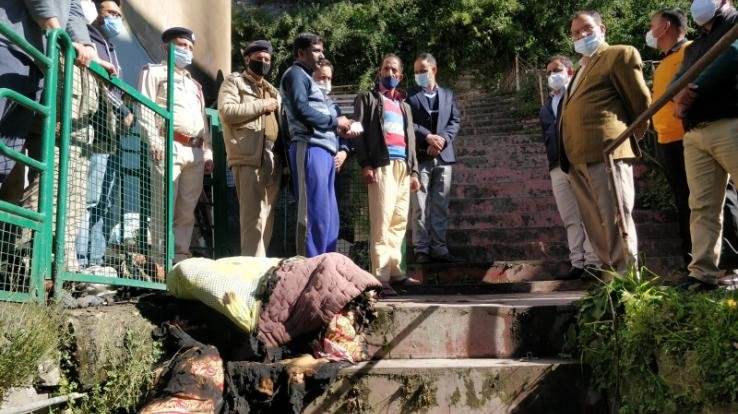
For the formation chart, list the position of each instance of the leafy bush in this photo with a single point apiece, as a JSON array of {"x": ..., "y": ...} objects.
[
  {"x": 29, "y": 335},
  {"x": 654, "y": 349},
  {"x": 478, "y": 35}
]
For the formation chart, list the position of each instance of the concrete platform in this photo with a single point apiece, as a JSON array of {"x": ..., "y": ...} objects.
[
  {"x": 472, "y": 326},
  {"x": 456, "y": 386}
]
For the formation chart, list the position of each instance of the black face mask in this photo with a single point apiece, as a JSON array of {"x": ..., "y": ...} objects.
[{"x": 260, "y": 68}]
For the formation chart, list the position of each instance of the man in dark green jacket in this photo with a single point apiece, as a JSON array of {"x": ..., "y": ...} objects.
[{"x": 708, "y": 108}]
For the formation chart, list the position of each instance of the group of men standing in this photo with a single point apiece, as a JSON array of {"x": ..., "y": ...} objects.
[
  {"x": 403, "y": 145},
  {"x": 590, "y": 107}
]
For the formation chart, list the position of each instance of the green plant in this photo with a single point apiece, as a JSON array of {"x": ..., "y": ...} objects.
[
  {"x": 655, "y": 349},
  {"x": 129, "y": 375},
  {"x": 29, "y": 335},
  {"x": 482, "y": 35}
]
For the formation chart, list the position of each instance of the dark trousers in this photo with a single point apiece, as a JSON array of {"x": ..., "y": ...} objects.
[{"x": 673, "y": 161}]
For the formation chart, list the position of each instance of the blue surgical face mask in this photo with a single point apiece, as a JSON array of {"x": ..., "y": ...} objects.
[
  {"x": 422, "y": 79},
  {"x": 389, "y": 82},
  {"x": 111, "y": 26},
  {"x": 182, "y": 57},
  {"x": 586, "y": 46}
]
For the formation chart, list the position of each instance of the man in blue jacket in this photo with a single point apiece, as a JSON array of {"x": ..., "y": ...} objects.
[
  {"x": 313, "y": 146},
  {"x": 436, "y": 121}
]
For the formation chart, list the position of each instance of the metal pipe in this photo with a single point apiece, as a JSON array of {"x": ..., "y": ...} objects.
[
  {"x": 37, "y": 405},
  {"x": 675, "y": 87},
  {"x": 168, "y": 156}
]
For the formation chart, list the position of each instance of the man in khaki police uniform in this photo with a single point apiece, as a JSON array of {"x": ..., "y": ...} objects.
[
  {"x": 192, "y": 152},
  {"x": 248, "y": 107}
]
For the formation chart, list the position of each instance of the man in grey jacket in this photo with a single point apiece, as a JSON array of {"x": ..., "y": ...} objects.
[{"x": 29, "y": 19}]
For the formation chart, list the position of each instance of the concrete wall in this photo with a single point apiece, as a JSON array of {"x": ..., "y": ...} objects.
[{"x": 209, "y": 19}]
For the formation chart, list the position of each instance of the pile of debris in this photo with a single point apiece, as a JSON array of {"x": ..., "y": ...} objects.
[{"x": 305, "y": 320}]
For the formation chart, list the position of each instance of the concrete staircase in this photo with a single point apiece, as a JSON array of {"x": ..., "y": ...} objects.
[
  {"x": 456, "y": 345},
  {"x": 502, "y": 210},
  {"x": 465, "y": 354}
]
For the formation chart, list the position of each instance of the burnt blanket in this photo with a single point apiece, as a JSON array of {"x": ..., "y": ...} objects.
[{"x": 307, "y": 293}]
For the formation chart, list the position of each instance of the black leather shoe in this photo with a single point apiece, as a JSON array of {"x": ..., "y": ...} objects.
[
  {"x": 573, "y": 273},
  {"x": 447, "y": 258},
  {"x": 591, "y": 273},
  {"x": 696, "y": 285},
  {"x": 422, "y": 258}
]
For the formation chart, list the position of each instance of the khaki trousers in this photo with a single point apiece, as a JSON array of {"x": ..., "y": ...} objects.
[
  {"x": 257, "y": 190},
  {"x": 710, "y": 155},
  {"x": 389, "y": 204},
  {"x": 187, "y": 175},
  {"x": 580, "y": 249},
  {"x": 596, "y": 199}
]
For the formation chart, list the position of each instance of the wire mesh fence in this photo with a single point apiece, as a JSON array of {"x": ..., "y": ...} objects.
[{"x": 115, "y": 208}]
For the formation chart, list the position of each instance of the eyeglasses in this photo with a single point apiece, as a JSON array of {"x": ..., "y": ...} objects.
[{"x": 583, "y": 32}]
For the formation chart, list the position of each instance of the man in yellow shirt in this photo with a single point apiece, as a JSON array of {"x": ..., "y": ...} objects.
[{"x": 668, "y": 30}]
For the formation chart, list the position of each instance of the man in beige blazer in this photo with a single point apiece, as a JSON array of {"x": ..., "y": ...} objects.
[
  {"x": 249, "y": 106},
  {"x": 606, "y": 94}
]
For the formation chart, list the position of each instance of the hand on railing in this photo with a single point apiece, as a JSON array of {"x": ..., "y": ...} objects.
[
  {"x": 684, "y": 100},
  {"x": 87, "y": 54}
]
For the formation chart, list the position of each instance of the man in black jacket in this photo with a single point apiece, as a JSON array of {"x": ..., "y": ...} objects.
[
  {"x": 559, "y": 70},
  {"x": 436, "y": 122},
  {"x": 708, "y": 108},
  {"x": 386, "y": 153}
]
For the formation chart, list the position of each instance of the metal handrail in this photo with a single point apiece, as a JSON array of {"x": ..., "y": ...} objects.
[{"x": 675, "y": 87}]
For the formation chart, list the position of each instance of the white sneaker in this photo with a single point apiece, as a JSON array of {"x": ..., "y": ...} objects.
[{"x": 98, "y": 289}]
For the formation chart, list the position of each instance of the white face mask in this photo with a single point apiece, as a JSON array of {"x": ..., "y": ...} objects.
[
  {"x": 558, "y": 80},
  {"x": 704, "y": 10},
  {"x": 586, "y": 46},
  {"x": 325, "y": 87},
  {"x": 651, "y": 40}
]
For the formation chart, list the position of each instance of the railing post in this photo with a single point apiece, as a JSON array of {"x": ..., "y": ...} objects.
[
  {"x": 169, "y": 152},
  {"x": 220, "y": 189},
  {"x": 517, "y": 73}
]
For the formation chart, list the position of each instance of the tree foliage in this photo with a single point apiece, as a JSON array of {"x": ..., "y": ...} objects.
[{"x": 483, "y": 35}]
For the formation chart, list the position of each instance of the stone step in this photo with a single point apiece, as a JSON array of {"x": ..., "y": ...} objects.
[
  {"x": 471, "y": 386},
  {"x": 500, "y": 150},
  {"x": 493, "y": 130},
  {"x": 520, "y": 137},
  {"x": 531, "y": 227},
  {"x": 497, "y": 205},
  {"x": 531, "y": 188},
  {"x": 544, "y": 240},
  {"x": 489, "y": 177},
  {"x": 472, "y": 326}
]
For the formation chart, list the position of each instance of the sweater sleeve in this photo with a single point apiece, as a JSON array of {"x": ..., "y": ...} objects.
[
  {"x": 721, "y": 71},
  {"x": 295, "y": 91},
  {"x": 40, "y": 9},
  {"x": 77, "y": 24}
]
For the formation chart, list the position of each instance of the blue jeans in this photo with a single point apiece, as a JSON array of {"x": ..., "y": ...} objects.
[{"x": 92, "y": 236}]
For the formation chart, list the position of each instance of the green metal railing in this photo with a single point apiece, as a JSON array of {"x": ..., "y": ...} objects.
[
  {"x": 50, "y": 228},
  {"x": 20, "y": 283},
  {"x": 146, "y": 278}
]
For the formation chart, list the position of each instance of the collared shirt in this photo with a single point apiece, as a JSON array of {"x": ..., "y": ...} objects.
[
  {"x": 189, "y": 103},
  {"x": 555, "y": 100}
]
